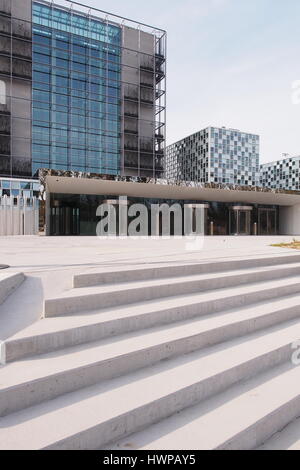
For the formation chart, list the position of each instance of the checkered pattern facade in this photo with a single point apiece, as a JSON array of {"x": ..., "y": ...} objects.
[
  {"x": 215, "y": 155},
  {"x": 281, "y": 174}
]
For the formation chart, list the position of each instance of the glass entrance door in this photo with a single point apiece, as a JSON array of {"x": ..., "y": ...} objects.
[
  {"x": 267, "y": 221},
  {"x": 240, "y": 220},
  {"x": 65, "y": 221}
]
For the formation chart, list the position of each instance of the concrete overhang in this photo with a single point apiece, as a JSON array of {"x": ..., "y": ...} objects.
[{"x": 69, "y": 185}]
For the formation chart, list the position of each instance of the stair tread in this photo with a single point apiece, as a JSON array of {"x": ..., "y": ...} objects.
[
  {"x": 131, "y": 266},
  {"x": 84, "y": 318},
  {"x": 37, "y": 427},
  {"x": 65, "y": 323},
  {"x": 123, "y": 286},
  {"x": 213, "y": 423},
  {"x": 205, "y": 362},
  {"x": 162, "y": 266}
]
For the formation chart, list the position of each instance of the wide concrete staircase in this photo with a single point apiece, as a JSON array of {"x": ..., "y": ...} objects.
[{"x": 190, "y": 356}]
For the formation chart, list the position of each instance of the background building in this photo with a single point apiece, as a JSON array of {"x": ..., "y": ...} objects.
[
  {"x": 215, "y": 155},
  {"x": 281, "y": 174},
  {"x": 80, "y": 90}
]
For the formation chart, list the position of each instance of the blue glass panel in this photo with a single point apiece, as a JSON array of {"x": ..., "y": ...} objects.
[
  {"x": 41, "y": 59},
  {"x": 76, "y": 74},
  {"x": 41, "y": 77},
  {"x": 41, "y": 114}
]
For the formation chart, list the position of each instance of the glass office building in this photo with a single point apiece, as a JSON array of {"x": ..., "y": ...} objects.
[
  {"x": 281, "y": 174},
  {"x": 76, "y": 92},
  {"x": 80, "y": 90},
  {"x": 83, "y": 101},
  {"x": 15, "y": 89},
  {"x": 215, "y": 155}
]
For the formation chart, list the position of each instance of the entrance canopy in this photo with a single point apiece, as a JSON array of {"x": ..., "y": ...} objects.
[{"x": 70, "y": 185}]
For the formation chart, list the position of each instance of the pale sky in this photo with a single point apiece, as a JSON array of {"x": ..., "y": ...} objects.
[{"x": 230, "y": 63}]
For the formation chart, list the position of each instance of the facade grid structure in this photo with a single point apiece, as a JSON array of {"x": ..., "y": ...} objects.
[
  {"x": 15, "y": 88},
  {"x": 215, "y": 155},
  {"x": 80, "y": 90},
  {"x": 76, "y": 92},
  {"x": 281, "y": 174}
]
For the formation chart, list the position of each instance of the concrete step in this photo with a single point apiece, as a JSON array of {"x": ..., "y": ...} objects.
[
  {"x": 93, "y": 417},
  {"x": 8, "y": 283},
  {"x": 240, "y": 418},
  {"x": 160, "y": 271},
  {"x": 177, "y": 337},
  {"x": 287, "y": 438},
  {"x": 92, "y": 298},
  {"x": 28, "y": 382},
  {"x": 133, "y": 348}
]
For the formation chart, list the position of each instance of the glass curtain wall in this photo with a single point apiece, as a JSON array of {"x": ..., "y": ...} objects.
[
  {"x": 15, "y": 89},
  {"x": 76, "y": 92},
  {"x": 75, "y": 214}
]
